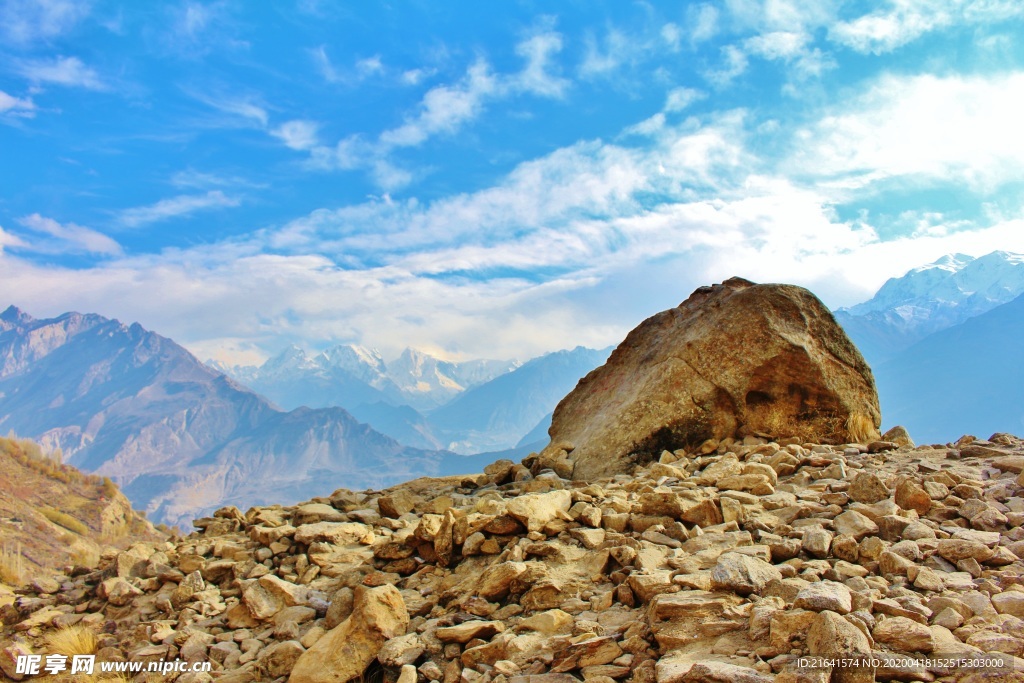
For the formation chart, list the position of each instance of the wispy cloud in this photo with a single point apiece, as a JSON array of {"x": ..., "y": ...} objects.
[
  {"x": 16, "y": 106},
  {"x": 26, "y": 21},
  {"x": 193, "y": 179},
  {"x": 68, "y": 238},
  {"x": 299, "y": 134},
  {"x": 899, "y": 22},
  {"x": 182, "y": 205},
  {"x": 243, "y": 109},
  {"x": 537, "y": 77},
  {"x": 66, "y": 71},
  {"x": 445, "y": 108}
]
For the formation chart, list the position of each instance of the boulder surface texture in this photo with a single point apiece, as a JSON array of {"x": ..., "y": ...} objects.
[{"x": 733, "y": 359}]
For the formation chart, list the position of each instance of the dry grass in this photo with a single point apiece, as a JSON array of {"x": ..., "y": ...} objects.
[
  {"x": 65, "y": 520},
  {"x": 71, "y": 641},
  {"x": 79, "y": 640},
  {"x": 12, "y": 566},
  {"x": 861, "y": 428}
]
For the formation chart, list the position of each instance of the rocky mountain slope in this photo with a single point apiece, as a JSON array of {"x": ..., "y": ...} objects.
[
  {"x": 925, "y": 387},
  {"x": 178, "y": 436},
  {"x": 52, "y": 515},
  {"x": 931, "y": 298},
  {"x": 673, "y": 573}
]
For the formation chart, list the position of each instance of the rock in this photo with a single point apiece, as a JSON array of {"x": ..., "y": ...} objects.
[
  {"x": 397, "y": 503},
  {"x": 118, "y": 591},
  {"x": 281, "y": 658},
  {"x": 825, "y": 595},
  {"x": 401, "y": 650},
  {"x": 956, "y": 549},
  {"x": 742, "y": 574},
  {"x": 768, "y": 358},
  {"x": 335, "y": 533},
  {"x": 407, "y": 675},
  {"x": 899, "y": 436},
  {"x": 911, "y": 496},
  {"x": 832, "y": 635},
  {"x": 868, "y": 487},
  {"x": 344, "y": 652},
  {"x": 9, "y": 659},
  {"x": 537, "y": 509},
  {"x": 465, "y": 632},
  {"x": 721, "y": 672},
  {"x": 903, "y": 634},
  {"x": 1009, "y": 602},
  {"x": 816, "y": 542},
  {"x": 853, "y": 523}
]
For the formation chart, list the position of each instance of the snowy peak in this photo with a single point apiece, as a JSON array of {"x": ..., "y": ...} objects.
[
  {"x": 365, "y": 364},
  {"x": 951, "y": 281}
]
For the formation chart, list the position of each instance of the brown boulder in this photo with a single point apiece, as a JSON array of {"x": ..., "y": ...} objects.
[
  {"x": 344, "y": 652},
  {"x": 733, "y": 359}
]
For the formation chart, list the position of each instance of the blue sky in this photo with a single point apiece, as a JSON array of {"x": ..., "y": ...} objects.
[{"x": 490, "y": 179}]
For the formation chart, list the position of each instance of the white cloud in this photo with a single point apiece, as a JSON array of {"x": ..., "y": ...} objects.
[
  {"x": 954, "y": 129},
  {"x": 702, "y": 23},
  {"x": 298, "y": 134},
  {"x": 538, "y": 50},
  {"x": 900, "y": 22},
  {"x": 66, "y": 71},
  {"x": 734, "y": 63},
  {"x": 68, "y": 237},
  {"x": 240, "y": 108},
  {"x": 16, "y": 106},
  {"x": 370, "y": 66},
  {"x": 679, "y": 99},
  {"x": 445, "y": 108},
  {"x": 182, "y": 205},
  {"x": 27, "y": 21},
  {"x": 603, "y": 60}
]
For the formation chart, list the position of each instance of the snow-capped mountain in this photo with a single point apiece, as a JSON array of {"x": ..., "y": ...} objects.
[
  {"x": 931, "y": 298},
  {"x": 350, "y": 376}
]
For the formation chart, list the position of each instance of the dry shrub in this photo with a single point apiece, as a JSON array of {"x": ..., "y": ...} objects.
[
  {"x": 12, "y": 566},
  {"x": 65, "y": 520},
  {"x": 71, "y": 641},
  {"x": 861, "y": 428}
]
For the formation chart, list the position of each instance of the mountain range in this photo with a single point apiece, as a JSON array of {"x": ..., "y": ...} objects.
[
  {"x": 179, "y": 437},
  {"x": 422, "y": 401}
]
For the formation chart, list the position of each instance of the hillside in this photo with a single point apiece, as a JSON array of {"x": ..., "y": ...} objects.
[
  {"x": 671, "y": 574},
  {"x": 52, "y": 515}
]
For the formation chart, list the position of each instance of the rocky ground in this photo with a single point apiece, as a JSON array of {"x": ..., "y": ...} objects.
[{"x": 724, "y": 564}]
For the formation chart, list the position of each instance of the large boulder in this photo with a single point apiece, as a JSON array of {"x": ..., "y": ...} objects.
[{"x": 733, "y": 359}]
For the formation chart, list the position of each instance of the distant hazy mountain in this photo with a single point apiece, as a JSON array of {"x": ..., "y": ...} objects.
[
  {"x": 496, "y": 415},
  {"x": 387, "y": 396},
  {"x": 180, "y": 437},
  {"x": 968, "y": 377},
  {"x": 351, "y": 375},
  {"x": 930, "y": 298}
]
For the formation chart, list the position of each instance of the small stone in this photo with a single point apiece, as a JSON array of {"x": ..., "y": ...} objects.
[{"x": 825, "y": 595}]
